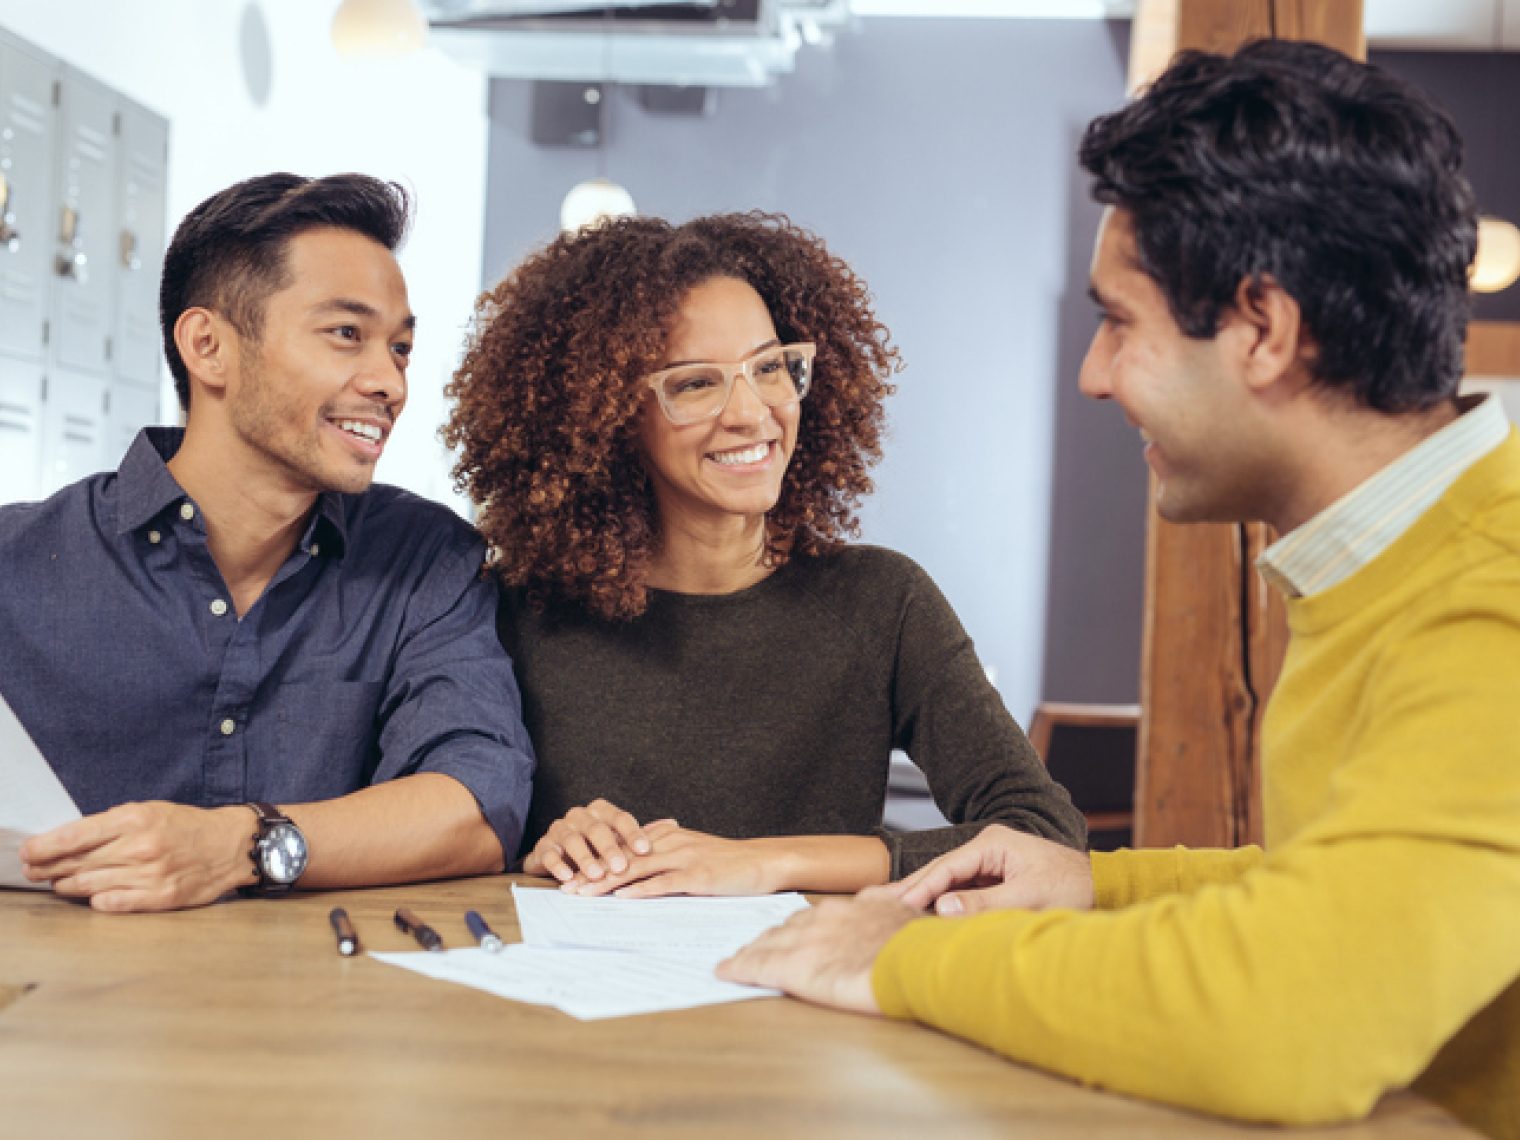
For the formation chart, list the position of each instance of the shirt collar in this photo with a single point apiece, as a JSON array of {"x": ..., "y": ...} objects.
[
  {"x": 1356, "y": 528},
  {"x": 145, "y": 489},
  {"x": 329, "y": 525}
]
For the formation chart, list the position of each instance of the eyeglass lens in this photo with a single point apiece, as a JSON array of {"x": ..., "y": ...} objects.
[{"x": 779, "y": 376}]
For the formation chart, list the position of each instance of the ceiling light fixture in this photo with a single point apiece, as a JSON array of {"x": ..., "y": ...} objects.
[
  {"x": 378, "y": 28},
  {"x": 593, "y": 201}
]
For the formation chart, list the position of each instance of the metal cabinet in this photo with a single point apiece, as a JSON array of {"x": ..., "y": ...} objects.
[
  {"x": 26, "y": 167},
  {"x": 82, "y": 227},
  {"x": 142, "y": 141}
]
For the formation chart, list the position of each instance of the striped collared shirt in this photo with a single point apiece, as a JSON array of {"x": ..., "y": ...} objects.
[{"x": 1360, "y": 525}]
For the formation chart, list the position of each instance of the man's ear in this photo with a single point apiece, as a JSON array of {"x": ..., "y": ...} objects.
[
  {"x": 1273, "y": 337},
  {"x": 205, "y": 343}
]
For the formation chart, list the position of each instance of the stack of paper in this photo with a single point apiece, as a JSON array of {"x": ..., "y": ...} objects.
[{"x": 608, "y": 957}]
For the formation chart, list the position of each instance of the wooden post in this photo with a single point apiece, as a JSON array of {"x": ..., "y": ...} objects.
[
  {"x": 1493, "y": 349},
  {"x": 1214, "y": 633}
]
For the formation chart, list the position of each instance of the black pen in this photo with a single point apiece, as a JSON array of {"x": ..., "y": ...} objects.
[
  {"x": 425, "y": 935},
  {"x": 348, "y": 941},
  {"x": 481, "y": 932}
]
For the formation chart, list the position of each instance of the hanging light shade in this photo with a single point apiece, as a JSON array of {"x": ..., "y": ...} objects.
[
  {"x": 1497, "y": 265},
  {"x": 591, "y": 202},
  {"x": 378, "y": 28}
]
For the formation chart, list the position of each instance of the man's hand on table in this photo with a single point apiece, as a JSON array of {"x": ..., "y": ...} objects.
[
  {"x": 146, "y": 856},
  {"x": 825, "y": 953},
  {"x": 999, "y": 869}
]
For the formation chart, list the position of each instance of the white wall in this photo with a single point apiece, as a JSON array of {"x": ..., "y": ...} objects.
[{"x": 420, "y": 120}]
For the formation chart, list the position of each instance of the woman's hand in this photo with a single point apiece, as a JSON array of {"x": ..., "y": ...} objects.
[
  {"x": 684, "y": 862},
  {"x": 587, "y": 842}
]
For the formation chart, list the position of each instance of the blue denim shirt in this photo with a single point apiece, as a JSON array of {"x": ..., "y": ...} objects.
[{"x": 371, "y": 655}]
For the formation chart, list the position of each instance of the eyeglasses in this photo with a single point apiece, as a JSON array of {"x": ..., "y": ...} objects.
[{"x": 690, "y": 393}]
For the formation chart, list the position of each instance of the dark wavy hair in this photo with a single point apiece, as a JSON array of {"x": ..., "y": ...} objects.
[
  {"x": 228, "y": 255},
  {"x": 547, "y": 398},
  {"x": 1339, "y": 181}
]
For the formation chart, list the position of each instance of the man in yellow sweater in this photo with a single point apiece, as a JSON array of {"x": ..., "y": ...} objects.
[{"x": 1281, "y": 274}]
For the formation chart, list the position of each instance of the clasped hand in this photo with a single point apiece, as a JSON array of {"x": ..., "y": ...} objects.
[
  {"x": 600, "y": 849},
  {"x": 145, "y": 856}
]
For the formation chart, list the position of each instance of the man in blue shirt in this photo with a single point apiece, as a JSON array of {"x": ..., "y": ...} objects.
[{"x": 236, "y": 619}]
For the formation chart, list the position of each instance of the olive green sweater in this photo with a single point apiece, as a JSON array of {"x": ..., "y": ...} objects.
[{"x": 774, "y": 710}]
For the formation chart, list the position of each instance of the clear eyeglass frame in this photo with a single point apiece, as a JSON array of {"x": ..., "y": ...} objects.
[{"x": 691, "y": 393}]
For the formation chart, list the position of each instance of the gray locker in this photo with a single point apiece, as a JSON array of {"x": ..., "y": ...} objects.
[
  {"x": 130, "y": 406},
  {"x": 73, "y": 428},
  {"x": 20, "y": 428},
  {"x": 83, "y": 222},
  {"x": 83, "y": 188},
  {"x": 26, "y": 205},
  {"x": 142, "y": 144}
]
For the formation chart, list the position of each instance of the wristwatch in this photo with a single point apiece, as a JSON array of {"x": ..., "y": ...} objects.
[{"x": 278, "y": 852}]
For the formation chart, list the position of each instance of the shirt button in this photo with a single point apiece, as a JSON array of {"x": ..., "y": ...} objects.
[
  {"x": 229, "y": 726},
  {"x": 218, "y": 607},
  {"x": 186, "y": 511},
  {"x": 315, "y": 550},
  {"x": 154, "y": 537}
]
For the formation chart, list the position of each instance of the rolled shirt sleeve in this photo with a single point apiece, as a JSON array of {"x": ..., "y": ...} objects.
[
  {"x": 370, "y": 655},
  {"x": 451, "y": 704}
]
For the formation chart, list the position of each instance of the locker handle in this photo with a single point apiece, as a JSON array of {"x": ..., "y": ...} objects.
[
  {"x": 74, "y": 265},
  {"x": 71, "y": 262},
  {"x": 129, "y": 251},
  {"x": 10, "y": 236}
]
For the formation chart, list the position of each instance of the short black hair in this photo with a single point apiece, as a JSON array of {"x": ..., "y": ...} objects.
[
  {"x": 228, "y": 254},
  {"x": 1341, "y": 182}
]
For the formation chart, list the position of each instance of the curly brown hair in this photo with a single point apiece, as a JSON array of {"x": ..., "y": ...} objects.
[{"x": 550, "y": 391}]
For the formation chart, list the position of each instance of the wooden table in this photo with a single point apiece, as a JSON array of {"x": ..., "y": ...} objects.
[{"x": 241, "y": 1020}]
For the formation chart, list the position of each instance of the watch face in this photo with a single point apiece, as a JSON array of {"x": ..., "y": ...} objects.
[{"x": 282, "y": 852}]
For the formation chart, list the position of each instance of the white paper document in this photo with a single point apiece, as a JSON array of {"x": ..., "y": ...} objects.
[
  {"x": 31, "y": 798},
  {"x": 606, "y": 957},
  {"x": 691, "y": 927},
  {"x": 588, "y": 984}
]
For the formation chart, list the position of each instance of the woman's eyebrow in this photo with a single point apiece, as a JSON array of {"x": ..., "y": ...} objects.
[{"x": 772, "y": 343}]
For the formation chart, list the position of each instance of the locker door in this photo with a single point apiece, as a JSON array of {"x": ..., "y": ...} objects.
[
  {"x": 26, "y": 168},
  {"x": 73, "y": 428},
  {"x": 131, "y": 409},
  {"x": 141, "y": 157},
  {"x": 20, "y": 429},
  {"x": 83, "y": 220}
]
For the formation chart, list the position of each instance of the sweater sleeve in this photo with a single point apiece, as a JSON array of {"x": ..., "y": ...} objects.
[
  {"x": 1304, "y": 988},
  {"x": 949, "y": 719},
  {"x": 1122, "y": 878}
]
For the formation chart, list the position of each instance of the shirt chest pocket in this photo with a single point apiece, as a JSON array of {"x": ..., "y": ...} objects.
[{"x": 324, "y": 739}]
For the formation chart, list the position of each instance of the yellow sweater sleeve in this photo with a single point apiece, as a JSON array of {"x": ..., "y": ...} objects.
[
  {"x": 1325, "y": 975},
  {"x": 1123, "y": 878}
]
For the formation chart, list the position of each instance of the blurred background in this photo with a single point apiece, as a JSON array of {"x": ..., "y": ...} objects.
[{"x": 931, "y": 144}]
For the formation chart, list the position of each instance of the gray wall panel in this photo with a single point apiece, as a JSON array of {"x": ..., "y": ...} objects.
[{"x": 937, "y": 157}]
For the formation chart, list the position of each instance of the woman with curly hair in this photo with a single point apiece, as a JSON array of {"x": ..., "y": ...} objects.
[{"x": 667, "y": 430}]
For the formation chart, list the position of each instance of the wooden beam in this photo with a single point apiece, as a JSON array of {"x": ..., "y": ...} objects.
[
  {"x": 1334, "y": 22},
  {"x": 1493, "y": 349},
  {"x": 1214, "y": 633}
]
